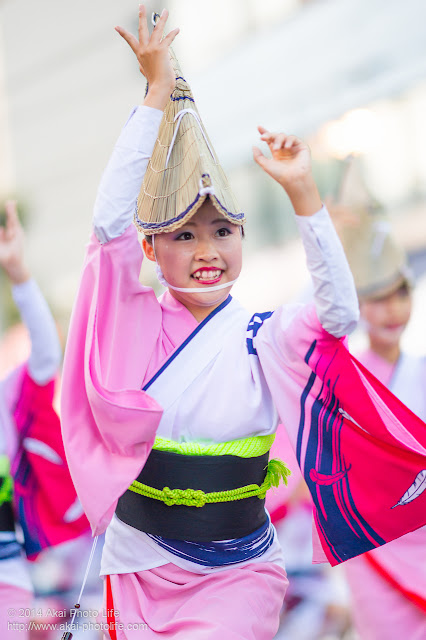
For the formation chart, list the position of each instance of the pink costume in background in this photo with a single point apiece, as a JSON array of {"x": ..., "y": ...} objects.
[
  {"x": 388, "y": 585},
  {"x": 44, "y": 499}
]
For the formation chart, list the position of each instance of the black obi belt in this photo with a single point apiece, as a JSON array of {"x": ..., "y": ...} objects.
[{"x": 198, "y": 498}]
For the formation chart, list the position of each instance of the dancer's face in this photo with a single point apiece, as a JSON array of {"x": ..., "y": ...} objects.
[
  {"x": 205, "y": 252},
  {"x": 387, "y": 317}
]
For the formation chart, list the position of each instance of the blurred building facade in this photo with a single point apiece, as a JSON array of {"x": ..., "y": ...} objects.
[{"x": 347, "y": 75}]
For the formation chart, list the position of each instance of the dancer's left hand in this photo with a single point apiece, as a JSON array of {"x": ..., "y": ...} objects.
[
  {"x": 290, "y": 165},
  {"x": 291, "y": 158}
]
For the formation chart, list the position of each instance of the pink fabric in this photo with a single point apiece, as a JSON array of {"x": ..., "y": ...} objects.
[
  {"x": 379, "y": 611},
  {"x": 13, "y": 599},
  {"x": 235, "y": 604},
  {"x": 379, "y": 367},
  {"x": 119, "y": 336},
  {"x": 386, "y": 598},
  {"x": 344, "y": 456}
]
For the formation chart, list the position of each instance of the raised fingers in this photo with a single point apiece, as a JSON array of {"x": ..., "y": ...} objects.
[
  {"x": 11, "y": 213},
  {"x": 129, "y": 38},
  {"x": 273, "y": 140},
  {"x": 283, "y": 141},
  {"x": 12, "y": 222},
  {"x": 170, "y": 37},
  {"x": 143, "y": 26},
  {"x": 290, "y": 141},
  {"x": 266, "y": 136},
  {"x": 277, "y": 141}
]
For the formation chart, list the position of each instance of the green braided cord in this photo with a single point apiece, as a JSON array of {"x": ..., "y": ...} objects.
[
  {"x": 6, "y": 488},
  {"x": 243, "y": 448},
  {"x": 276, "y": 472}
]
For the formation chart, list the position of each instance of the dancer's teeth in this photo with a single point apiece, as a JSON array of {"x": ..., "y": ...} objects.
[{"x": 207, "y": 275}]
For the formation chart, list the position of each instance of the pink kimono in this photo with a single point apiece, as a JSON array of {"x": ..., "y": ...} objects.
[{"x": 348, "y": 431}]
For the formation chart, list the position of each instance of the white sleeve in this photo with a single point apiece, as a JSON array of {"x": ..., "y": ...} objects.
[
  {"x": 121, "y": 181},
  {"x": 45, "y": 355},
  {"x": 335, "y": 295}
]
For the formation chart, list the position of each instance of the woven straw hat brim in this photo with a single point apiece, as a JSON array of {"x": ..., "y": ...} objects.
[
  {"x": 379, "y": 266},
  {"x": 166, "y": 226},
  {"x": 386, "y": 288},
  {"x": 183, "y": 170}
]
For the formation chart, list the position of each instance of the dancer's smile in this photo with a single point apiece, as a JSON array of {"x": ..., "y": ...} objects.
[
  {"x": 208, "y": 275},
  {"x": 205, "y": 251}
]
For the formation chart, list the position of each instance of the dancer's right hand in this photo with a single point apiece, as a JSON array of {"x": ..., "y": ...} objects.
[
  {"x": 152, "y": 53},
  {"x": 12, "y": 246}
]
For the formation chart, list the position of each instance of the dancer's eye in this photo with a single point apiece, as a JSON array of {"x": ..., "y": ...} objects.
[
  {"x": 186, "y": 235},
  {"x": 224, "y": 231}
]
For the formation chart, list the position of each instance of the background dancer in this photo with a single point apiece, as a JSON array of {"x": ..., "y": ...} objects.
[
  {"x": 388, "y": 585},
  {"x": 31, "y": 452}
]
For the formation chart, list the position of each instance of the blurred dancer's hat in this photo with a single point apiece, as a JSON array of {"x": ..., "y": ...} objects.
[
  {"x": 379, "y": 265},
  {"x": 183, "y": 170}
]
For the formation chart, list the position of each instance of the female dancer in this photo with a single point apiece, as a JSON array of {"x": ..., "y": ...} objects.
[
  {"x": 169, "y": 405},
  {"x": 387, "y": 585},
  {"x": 35, "y": 487}
]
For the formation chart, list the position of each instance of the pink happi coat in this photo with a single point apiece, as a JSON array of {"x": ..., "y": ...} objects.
[
  {"x": 45, "y": 500},
  {"x": 359, "y": 448}
]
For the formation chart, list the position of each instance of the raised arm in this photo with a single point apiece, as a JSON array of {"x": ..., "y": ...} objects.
[
  {"x": 334, "y": 290},
  {"x": 45, "y": 354},
  {"x": 123, "y": 176}
]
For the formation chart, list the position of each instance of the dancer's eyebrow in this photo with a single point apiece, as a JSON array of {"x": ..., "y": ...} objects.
[{"x": 190, "y": 223}]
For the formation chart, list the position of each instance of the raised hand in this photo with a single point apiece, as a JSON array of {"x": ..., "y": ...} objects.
[
  {"x": 152, "y": 53},
  {"x": 12, "y": 246},
  {"x": 290, "y": 165},
  {"x": 291, "y": 158}
]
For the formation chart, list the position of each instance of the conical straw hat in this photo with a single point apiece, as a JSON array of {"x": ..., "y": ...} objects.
[
  {"x": 378, "y": 263},
  {"x": 183, "y": 170}
]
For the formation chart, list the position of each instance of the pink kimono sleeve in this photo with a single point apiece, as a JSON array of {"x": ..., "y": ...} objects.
[
  {"x": 108, "y": 422},
  {"x": 281, "y": 345},
  {"x": 349, "y": 432}
]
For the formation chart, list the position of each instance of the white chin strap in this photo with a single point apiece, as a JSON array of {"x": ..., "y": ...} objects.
[{"x": 164, "y": 282}]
